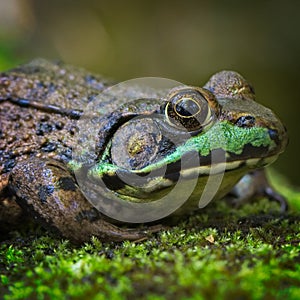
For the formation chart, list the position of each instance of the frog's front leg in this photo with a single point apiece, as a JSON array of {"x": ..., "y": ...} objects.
[
  {"x": 254, "y": 185},
  {"x": 47, "y": 190}
]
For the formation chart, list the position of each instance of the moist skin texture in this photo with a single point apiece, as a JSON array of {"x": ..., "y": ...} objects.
[{"x": 40, "y": 105}]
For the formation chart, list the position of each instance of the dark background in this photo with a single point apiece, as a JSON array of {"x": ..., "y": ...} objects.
[{"x": 183, "y": 40}]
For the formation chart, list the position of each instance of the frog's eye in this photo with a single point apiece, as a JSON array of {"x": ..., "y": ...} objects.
[{"x": 188, "y": 108}]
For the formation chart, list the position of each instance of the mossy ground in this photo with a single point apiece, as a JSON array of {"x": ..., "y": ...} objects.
[{"x": 220, "y": 253}]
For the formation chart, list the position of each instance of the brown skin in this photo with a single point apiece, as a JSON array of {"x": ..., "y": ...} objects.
[
  {"x": 40, "y": 104},
  {"x": 38, "y": 138}
]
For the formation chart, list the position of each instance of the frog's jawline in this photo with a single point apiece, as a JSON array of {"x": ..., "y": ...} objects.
[
  {"x": 218, "y": 156},
  {"x": 113, "y": 182}
]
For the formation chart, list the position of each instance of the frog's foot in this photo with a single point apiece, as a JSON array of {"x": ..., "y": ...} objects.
[
  {"x": 48, "y": 191},
  {"x": 11, "y": 214},
  {"x": 256, "y": 185}
]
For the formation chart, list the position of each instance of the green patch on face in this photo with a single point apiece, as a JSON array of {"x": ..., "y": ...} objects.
[
  {"x": 230, "y": 138},
  {"x": 223, "y": 135}
]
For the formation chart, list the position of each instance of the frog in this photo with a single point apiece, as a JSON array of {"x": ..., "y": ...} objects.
[{"x": 41, "y": 105}]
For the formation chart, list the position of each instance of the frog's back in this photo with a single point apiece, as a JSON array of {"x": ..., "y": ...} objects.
[{"x": 34, "y": 103}]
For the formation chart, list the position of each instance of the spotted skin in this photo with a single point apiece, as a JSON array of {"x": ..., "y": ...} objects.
[
  {"x": 40, "y": 105},
  {"x": 31, "y": 138}
]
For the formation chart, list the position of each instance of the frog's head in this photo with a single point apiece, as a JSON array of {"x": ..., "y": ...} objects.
[{"x": 146, "y": 145}]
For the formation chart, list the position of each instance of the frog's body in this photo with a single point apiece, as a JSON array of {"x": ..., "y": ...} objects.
[{"x": 40, "y": 104}]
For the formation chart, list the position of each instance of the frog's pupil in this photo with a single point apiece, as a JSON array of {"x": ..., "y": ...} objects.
[{"x": 187, "y": 107}]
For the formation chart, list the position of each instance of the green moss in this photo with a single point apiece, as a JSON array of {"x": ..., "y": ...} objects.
[{"x": 220, "y": 253}]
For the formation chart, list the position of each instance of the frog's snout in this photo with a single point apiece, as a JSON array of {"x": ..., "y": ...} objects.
[
  {"x": 273, "y": 133},
  {"x": 280, "y": 137},
  {"x": 285, "y": 139}
]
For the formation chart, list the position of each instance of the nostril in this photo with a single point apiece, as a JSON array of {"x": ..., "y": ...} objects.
[
  {"x": 274, "y": 135},
  {"x": 245, "y": 121}
]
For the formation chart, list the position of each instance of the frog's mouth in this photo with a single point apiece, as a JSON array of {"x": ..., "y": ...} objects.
[
  {"x": 159, "y": 190},
  {"x": 143, "y": 182},
  {"x": 139, "y": 165},
  {"x": 141, "y": 152}
]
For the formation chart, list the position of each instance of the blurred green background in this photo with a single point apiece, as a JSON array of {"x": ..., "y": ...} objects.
[{"x": 183, "y": 40}]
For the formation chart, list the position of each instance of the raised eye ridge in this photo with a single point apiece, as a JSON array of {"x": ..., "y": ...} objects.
[{"x": 189, "y": 109}]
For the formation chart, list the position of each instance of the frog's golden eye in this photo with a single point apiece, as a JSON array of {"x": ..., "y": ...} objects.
[{"x": 188, "y": 108}]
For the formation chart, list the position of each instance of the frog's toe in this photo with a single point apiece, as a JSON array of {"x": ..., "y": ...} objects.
[
  {"x": 256, "y": 185},
  {"x": 119, "y": 234},
  {"x": 272, "y": 195},
  {"x": 11, "y": 216}
]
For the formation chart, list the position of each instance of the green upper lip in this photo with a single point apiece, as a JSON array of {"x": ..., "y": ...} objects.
[
  {"x": 224, "y": 135},
  {"x": 254, "y": 142}
]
